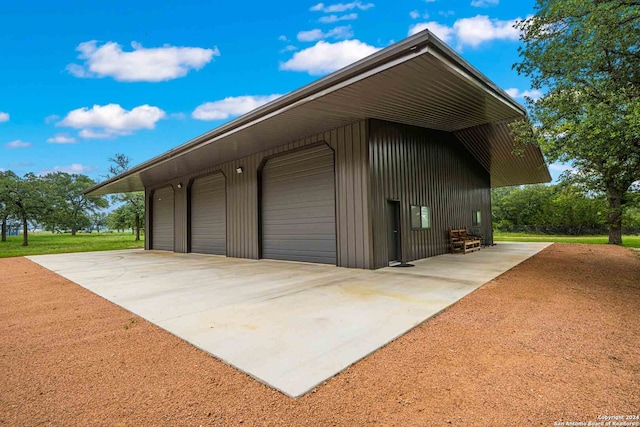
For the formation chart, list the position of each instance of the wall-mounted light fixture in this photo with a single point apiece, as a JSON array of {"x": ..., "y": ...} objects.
[
  {"x": 239, "y": 170},
  {"x": 180, "y": 185}
]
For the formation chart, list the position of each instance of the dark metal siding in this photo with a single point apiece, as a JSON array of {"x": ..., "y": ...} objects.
[
  {"x": 162, "y": 215},
  {"x": 147, "y": 219},
  {"x": 418, "y": 166},
  {"x": 351, "y": 182},
  {"x": 208, "y": 211},
  {"x": 299, "y": 207},
  {"x": 181, "y": 215}
]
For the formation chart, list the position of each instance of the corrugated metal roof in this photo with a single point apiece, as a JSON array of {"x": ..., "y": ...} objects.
[{"x": 418, "y": 81}]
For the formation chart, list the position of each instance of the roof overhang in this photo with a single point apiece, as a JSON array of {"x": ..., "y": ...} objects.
[{"x": 418, "y": 81}]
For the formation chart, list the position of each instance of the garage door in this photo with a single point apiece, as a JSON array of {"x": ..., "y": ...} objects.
[
  {"x": 162, "y": 217},
  {"x": 208, "y": 215},
  {"x": 298, "y": 207}
]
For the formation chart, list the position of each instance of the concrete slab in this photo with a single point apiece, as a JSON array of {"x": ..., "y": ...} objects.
[{"x": 290, "y": 325}]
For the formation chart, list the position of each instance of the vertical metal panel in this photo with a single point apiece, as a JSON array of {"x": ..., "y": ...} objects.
[
  {"x": 298, "y": 206},
  {"x": 208, "y": 213},
  {"x": 353, "y": 222},
  {"x": 148, "y": 227},
  {"x": 181, "y": 206},
  {"x": 162, "y": 215},
  {"x": 424, "y": 167},
  {"x": 242, "y": 207}
]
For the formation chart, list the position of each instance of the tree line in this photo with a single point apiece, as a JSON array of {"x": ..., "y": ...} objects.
[
  {"x": 57, "y": 202},
  {"x": 563, "y": 208}
]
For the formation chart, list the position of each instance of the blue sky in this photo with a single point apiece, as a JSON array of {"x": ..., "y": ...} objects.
[{"x": 81, "y": 81}]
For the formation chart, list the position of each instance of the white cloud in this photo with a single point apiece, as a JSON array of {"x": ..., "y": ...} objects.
[
  {"x": 341, "y": 7},
  {"x": 343, "y": 32},
  {"x": 74, "y": 168},
  {"x": 325, "y": 57},
  {"x": 61, "y": 138},
  {"x": 471, "y": 31},
  {"x": 328, "y": 19},
  {"x": 17, "y": 144},
  {"x": 4, "y": 117},
  {"x": 93, "y": 134},
  {"x": 3, "y": 170},
  {"x": 52, "y": 118},
  {"x": 310, "y": 35},
  {"x": 479, "y": 29},
  {"x": 141, "y": 64},
  {"x": 20, "y": 164},
  {"x": 414, "y": 14},
  {"x": 230, "y": 107},
  {"x": 288, "y": 48},
  {"x": 283, "y": 38},
  {"x": 446, "y": 13},
  {"x": 533, "y": 94},
  {"x": 443, "y": 32},
  {"x": 111, "y": 120},
  {"x": 484, "y": 3}
]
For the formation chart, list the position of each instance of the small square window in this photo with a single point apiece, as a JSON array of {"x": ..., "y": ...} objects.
[
  {"x": 420, "y": 217},
  {"x": 477, "y": 218}
]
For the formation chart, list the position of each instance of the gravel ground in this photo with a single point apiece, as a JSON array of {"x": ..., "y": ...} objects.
[{"x": 554, "y": 339}]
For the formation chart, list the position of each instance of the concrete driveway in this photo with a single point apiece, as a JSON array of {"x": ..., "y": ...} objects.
[{"x": 290, "y": 325}]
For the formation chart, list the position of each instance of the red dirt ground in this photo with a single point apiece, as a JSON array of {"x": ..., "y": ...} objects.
[{"x": 554, "y": 339}]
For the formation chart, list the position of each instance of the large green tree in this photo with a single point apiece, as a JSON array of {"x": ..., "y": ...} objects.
[
  {"x": 70, "y": 208},
  {"x": 27, "y": 201},
  {"x": 585, "y": 57},
  {"x": 135, "y": 200}
]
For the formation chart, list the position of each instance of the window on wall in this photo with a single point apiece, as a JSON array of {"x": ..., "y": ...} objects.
[
  {"x": 420, "y": 217},
  {"x": 477, "y": 219}
]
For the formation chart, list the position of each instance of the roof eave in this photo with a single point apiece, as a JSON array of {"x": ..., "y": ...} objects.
[{"x": 412, "y": 44}]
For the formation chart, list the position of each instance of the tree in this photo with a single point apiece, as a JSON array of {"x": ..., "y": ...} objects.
[
  {"x": 70, "y": 208},
  {"x": 27, "y": 201},
  {"x": 118, "y": 219},
  {"x": 124, "y": 217},
  {"x": 135, "y": 200},
  {"x": 574, "y": 212},
  {"x": 562, "y": 208},
  {"x": 7, "y": 181},
  {"x": 99, "y": 219},
  {"x": 586, "y": 56},
  {"x": 522, "y": 209}
]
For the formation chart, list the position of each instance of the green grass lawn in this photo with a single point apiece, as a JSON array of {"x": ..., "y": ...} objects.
[
  {"x": 48, "y": 243},
  {"x": 498, "y": 236}
]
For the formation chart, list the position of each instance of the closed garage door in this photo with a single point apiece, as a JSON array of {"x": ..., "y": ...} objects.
[
  {"x": 298, "y": 207},
  {"x": 162, "y": 217},
  {"x": 208, "y": 215}
]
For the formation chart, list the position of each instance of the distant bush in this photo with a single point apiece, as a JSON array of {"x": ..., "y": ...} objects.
[{"x": 556, "y": 209}]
